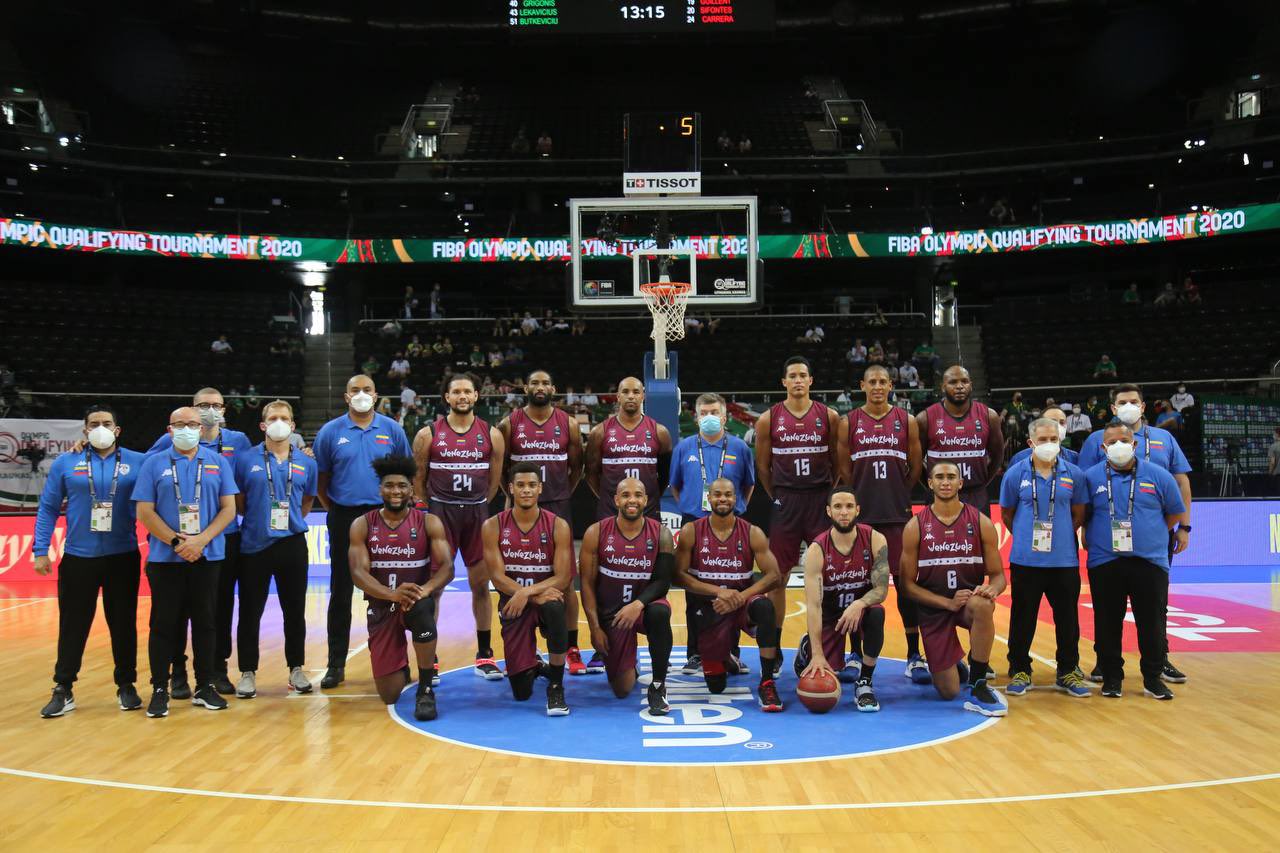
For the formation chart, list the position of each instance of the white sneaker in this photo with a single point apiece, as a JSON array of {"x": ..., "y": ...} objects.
[
  {"x": 247, "y": 686},
  {"x": 298, "y": 682}
]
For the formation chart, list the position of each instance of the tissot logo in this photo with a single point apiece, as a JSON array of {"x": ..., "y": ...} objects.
[{"x": 654, "y": 183}]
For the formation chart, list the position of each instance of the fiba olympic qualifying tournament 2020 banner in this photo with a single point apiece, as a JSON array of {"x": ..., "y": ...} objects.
[
  {"x": 24, "y": 441},
  {"x": 388, "y": 250}
]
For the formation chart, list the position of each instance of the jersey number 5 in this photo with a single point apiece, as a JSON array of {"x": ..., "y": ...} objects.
[{"x": 626, "y": 594}]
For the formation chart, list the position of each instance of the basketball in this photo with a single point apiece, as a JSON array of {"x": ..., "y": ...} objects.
[{"x": 819, "y": 693}]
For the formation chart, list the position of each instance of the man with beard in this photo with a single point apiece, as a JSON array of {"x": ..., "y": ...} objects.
[
  {"x": 714, "y": 564},
  {"x": 544, "y": 436},
  {"x": 966, "y": 432},
  {"x": 628, "y": 444},
  {"x": 460, "y": 466}
]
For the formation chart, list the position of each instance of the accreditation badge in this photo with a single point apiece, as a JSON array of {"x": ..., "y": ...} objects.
[
  {"x": 100, "y": 517},
  {"x": 706, "y": 498},
  {"x": 1042, "y": 536},
  {"x": 279, "y": 515},
  {"x": 189, "y": 519},
  {"x": 1122, "y": 536}
]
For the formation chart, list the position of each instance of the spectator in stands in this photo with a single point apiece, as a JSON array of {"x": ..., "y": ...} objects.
[
  {"x": 513, "y": 355},
  {"x": 520, "y": 144},
  {"x": 399, "y": 367},
  {"x": 501, "y": 327},
  {"x": 878, "y": 319},
  {"x": 1014, "y": 436},
  {"x": 495, "y": 356},
  {"x": 280, "y": 346},
  {"x": 476, "y": 358},
  {"x": 544, "y": 144},
  {"x": 391, "y": 330},
  {"x": 221, "y": 346},
  {"x": 711, "y": 324},
  {"x": 415, "y": 348},
  {"x": 412, "y": 418},
  {"x": 891, "y": 351},
  {"x": 1079, "y": 425},
  {"x": 572, "y": 400},
  {"x": 1016, "y": 408},
  {"x": 844, "y": 304},
  {"x": 1105, "y": 368},
  {"x": 1190, "y": 292},
  {"x": 410, "y": 307},
  {"x": 529, "y": 325},
  {"x": 908, "y": 375},
  {"x": 1167, "y": 417},
  {"x": 744, "y": 144},
  {"x": 1099, "y": 411},
  {"x": 1168, "y": 297},
  {"x": 724, "y": 142},
  {"x": 857, "y": 354},
  {"x": 8, "y": 379},
  {"x": 447, "y": 346},
  {"x": 589, "y": 399},
  {"x": 408, "y": 396},
  {"x": 559, "y": 325},
  {"x": 579, "y": 326},
  {"x": 1001, "y": 213},
  {"x": 894, "y": 376},
  {"x": 925, "y": 356},
  {"x": 437, "y": 346},
  {"x": 875, "y": 353},
  {"x": 1131, "y": 296},
  {"x": 816, "y": 334},
  {"x": 371, "y": 365},
  {"x": 1182, "y": 401},
  {"x": 436, "y": 306},
  {"x": 693, "y": 324}
]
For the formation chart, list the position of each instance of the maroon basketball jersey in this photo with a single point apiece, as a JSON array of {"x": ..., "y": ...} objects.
[
  {"x": 878, "y": 448},
  {"x": 529, "y": 557},
  {"x": 950, "y": 555},
  {"x": 801, "y": 452},
  {"x": 625, "y": 565},
  {"x": 961, "y": 440},
  {"x": 728, "y": 564},
  {"x": 845, "y": 577},
  {"x": 458, "y": 465},
  {"x": 629, "y": 453},
  {"x": 547, "y": 446},
  {"x": 400, "y": 554}
]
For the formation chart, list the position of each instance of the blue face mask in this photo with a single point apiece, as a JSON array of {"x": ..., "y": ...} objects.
[
  {"x": 185, "y": 438},
  {"x": 709, "y": 425}
]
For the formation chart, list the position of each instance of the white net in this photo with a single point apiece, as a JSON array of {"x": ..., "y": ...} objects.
[{"x": 667, "y": 302}]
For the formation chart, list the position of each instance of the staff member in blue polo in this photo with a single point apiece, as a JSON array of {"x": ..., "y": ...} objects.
[
  {"x": 185, "y": 499},
  {"x": 101, "y": 552},
  {"x": 1133, "y": 506},
  {"x": 1066, "y": 454},
  {"x": 227, "y": 443},
  {"x": 345, "y": 449},
  {"x": 277, "y": 487},
  {"x": 696, "y": 463},
  {"x": 1043, "y": 501}
]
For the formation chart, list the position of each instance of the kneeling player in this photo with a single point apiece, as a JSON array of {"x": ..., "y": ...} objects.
[
  {"x": 626, "y": 563},
  {"x": 844, "y": 587},
  {"x": 401, "y": 559},
  {"x": 951, "y": 566},
  {"x": 527, "y": 550},
  {"x": 714, "y": 564}
]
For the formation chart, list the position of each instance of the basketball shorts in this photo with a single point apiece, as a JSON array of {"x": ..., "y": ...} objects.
[
  {"x": 622, "y": 645},
  {"x": 563, "y": 509},
  {"x": 520, "y": 637},
  {"x": 717, "y": 631},
  {"x": 833, "y": 642},
  {"x": 388, "y": 637},
  {"x": 462, "y": 524},
  {"x": 942, "y": 649},
  {"x": 798, "y": 515},
  {"x": 892, "y": 533}
]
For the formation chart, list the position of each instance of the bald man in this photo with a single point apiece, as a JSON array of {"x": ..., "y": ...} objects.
[
  {"x": 1059, "y": 417},
  {"x": 628, "y": 444},
  {"x": 964, "y": 431}
]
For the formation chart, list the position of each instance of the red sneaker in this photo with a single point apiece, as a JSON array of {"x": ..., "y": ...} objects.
[
  {"x": 770, "y": 701},
  {"x": 573, "y": 660}
]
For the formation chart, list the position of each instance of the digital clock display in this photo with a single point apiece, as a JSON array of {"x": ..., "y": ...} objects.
[{"x": 605, "y": 17}]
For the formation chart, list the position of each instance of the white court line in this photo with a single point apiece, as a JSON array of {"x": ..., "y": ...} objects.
[
  {"x": 27, "y": 604},
  {"x": 1032, "y": 655},
  {"x": 315, "y": 682},
  {"x": 578, "y": 809}
]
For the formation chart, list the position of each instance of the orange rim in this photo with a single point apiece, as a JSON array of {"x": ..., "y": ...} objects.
[{"x": 666, "y": 289}]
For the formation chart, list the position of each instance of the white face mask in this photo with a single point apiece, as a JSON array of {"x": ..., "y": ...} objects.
[
  {"x": 102, "y": 437},
  {"x": 1047, "y": 452},
  {"x": 279, "y": 430},
  {"x": 1062, "y": 433},
  {"x": 185, "y": 438},
  {"x": 361, "y": 402},
  {"x": 1129, "y": 413},
  {"x": 1120, "y": 454}
]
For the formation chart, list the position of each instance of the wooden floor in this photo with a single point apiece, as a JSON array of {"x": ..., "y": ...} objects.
[{"x": 335, "y": 772}]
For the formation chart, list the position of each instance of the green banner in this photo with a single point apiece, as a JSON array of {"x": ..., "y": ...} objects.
[{"x": 269, "y": 247}]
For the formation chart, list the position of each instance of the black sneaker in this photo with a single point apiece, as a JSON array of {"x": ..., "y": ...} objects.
[
  {"x": 159, "y": 705},
  {"x": 556, "y": 706},
  {"x": 1172, "y": 674},
  {"x": 61, "y": 702},
  {"x": 1096, "y": 675},
  {"x": 129, "y": 698},
  {"x": 1157, "y": 689},
  {"x": 178, "y": 686},
  {"x": 435, "y": 674},
  {"x": 692, "y": 666},
  {"x": 658, "y": 706},
  {"x": 733, "y": 665},
  {"x": 1111, "y": 688},
  {"x": 804, "y": 654},
  {"x": 424, "y": 707},
  {"x": 223, "y": 685},
  {"x": 206, "y": 696},
  {"x": 333, "y": 676},
  {"x": 864, "y": 697},
  {"x": 770, "y": 701}
]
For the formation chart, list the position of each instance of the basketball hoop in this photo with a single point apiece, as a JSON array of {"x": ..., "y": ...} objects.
[{"x": 667, "y": 301}]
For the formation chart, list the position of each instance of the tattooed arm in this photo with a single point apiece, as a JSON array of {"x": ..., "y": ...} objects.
[{"x": 852, "y": 616}]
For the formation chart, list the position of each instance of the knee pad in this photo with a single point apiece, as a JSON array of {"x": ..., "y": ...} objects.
[
  {"x": 553, "y": 627},
  {"x": 421, "y": 621},
  {"x": 762, "y": 614},
  {"x": 908, "y": 610},
  {"x": 522, "y": 683},
  {"x": 656, "y": 614}
]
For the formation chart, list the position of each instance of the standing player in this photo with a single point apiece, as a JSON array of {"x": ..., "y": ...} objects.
[
  {"x": 544, "y": 436},
  {"x": 460, "y": 466},
  {"x": 966, "y": 432},
  {"x": 951, "y": 565},
  {"x": 628, "y": 444},
  {"x": 714, "y": 564},
  {"x": 844, "y": 590},
  {"x": 528, "y": 550},
  {"x": 400, "y": 558},
  {"x": 880, "y": 455},
  {"x": 796, "y": 464},
  {"x": 626, "y": 563}
]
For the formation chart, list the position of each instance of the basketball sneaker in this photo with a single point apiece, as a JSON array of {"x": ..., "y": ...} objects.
[
  {"x": 804, "y": 656},
  {"x": 658, "y": 706},
  {"x": 179, "y": 687},
  {"x": 985, "y": 701},
  {"x": 918, "y": 671},
  {"x": 487, "y": 669},
  {"x": 1072, "y": 685},
  {"x": 247, "y": 686},
  {"x": 864, "y": 697},
  {"x": 298, "y": 681},
  {"x": 128, "y": 698},
  {"x": 733, "y": 665},
  {"x": 207, "y": 697},
  {"x": 596, "y": 664},
  {"x": 159, "y": 704},
  {"x": 1157, "y": 689},
  {"x": 573, "y": 661},
  {"x": 852, "y": 669},
  {"x": 1019, "y": 684},
  {"x": 222, "y": 683},
  {"x": 770, "y": 701},
  {"x": 435, "y": 674},
  {"x": 424, "y": 705},
  {"x": 61, "y": 702},
  {"x": 693, "y": 666},
  {"x": 556, "y": 706},
  {"x": 1096, "y": 675},
  {"x": 1172, "y": 674},
  {"x": 1111, "y": 688},
  {"x": 333, "y": 676}
]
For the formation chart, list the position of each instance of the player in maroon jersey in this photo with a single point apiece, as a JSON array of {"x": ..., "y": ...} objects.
[
  {"x": 844, "y": 589},
  {"x": 626, "y": 562},
  {"x": 459, "y": 468},
  {"x": 966, "y": 432},
  {"x": 880, "y": 458},
  {"x": 544, "y": 435},
  {"x": 714, "y": 561},
  {"x": 628, "y": 444},
  {"x": 528, "y": 550},
  {"x": 401, "y": 559},
  {"x": 796, "y": 463},
  {"x": 951, "y": 565}
]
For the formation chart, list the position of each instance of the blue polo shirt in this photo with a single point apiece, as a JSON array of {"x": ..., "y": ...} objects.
[
  {"x": 1151, "y": 444},
  {"x": 1155, "y": 495},
  {"x": 69, "y": 480},
  {"x": 686, "y": 472},
  {"x": 251, "y": 478},
  {"x": 1066, "y": 454},
  {"x": 1016, "y": 494},
  {"x": 155, "y": 484},
  {"x": 228, "y": 443},
  {"x": 346, "y": 451}
]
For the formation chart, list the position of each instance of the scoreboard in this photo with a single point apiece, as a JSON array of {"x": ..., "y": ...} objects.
[{"x": 615, "y": 17}]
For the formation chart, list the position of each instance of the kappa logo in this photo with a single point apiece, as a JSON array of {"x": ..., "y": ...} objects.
[
  {"x": 168, "y": 472},
  {"x": 374, "y": 538},
  {"x": 928, "y": 536},
  {"x": 255, "y": 469},
  {"x": 608, "y": 549},
  {"x": 344, "y": 440},
  {"x": 1024, "y": 484},
  {"x": 692, "y": 458}
]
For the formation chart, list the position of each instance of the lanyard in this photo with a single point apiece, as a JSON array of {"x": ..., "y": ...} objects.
[
  {"x": 1146, "y": 444},
  {"x": 703, "y": 465},
  {"x": 268, "y": 462},
  {"x": 1111, "y": 506},
  {"x": 177, "y": 491},
  {"x": 1053, "y": 491},
  {"x": 115, "y": 476}
]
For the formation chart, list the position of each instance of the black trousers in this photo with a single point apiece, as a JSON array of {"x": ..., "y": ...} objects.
[
  {"x": 79, "y": 579},
  {"x": 1138, "y": 583},
  {"x": 224, "y": 608},
  {"x": 178, "y": 588},
  {"x": 341, "y": 586},
  {"x": 1062, "y": 587},
  {"x": 286, "y": 560}
]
